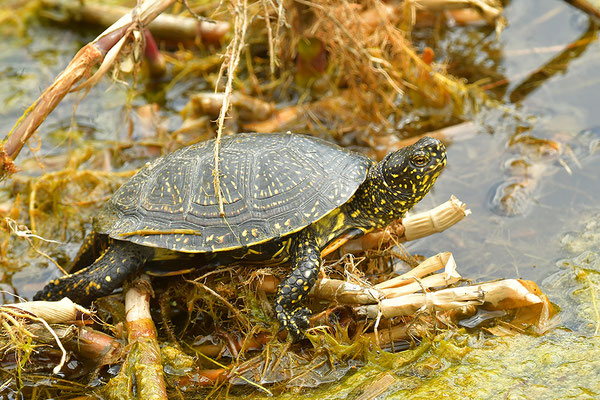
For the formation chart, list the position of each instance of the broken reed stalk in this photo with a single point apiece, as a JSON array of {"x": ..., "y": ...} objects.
[
  {"x": 105, "y": 47},
  {"x": 490, "y": 12},
  {"x": 500, "y": 295},
  {"x": 430, "y": 265},
  {"x": 51, "y": 323},
  {"x": 415, "y": 280},
  {"x": 233, "y": 55},
  {"x": 12, "y": 320},
  {"x": 89, "y": 344},
  {"x": 53, "y": 312},
  {"x": 435, "y": 220},
  {"x": 171, "y": 27},
  {"x": 412, "y": 227},
  {"x": 144, "y": 355}
]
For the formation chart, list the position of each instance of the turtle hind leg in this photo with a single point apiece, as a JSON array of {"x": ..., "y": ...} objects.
[
  {"x": 306, "y": 262},
  {"x": 93, "y": 246},
  {"x": 119, "y": 261}
]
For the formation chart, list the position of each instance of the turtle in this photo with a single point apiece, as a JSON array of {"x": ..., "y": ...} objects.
[{"x": 286, "y": 199}]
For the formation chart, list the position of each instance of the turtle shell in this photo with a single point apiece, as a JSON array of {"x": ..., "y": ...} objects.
[{"x": 272, "y": 185}]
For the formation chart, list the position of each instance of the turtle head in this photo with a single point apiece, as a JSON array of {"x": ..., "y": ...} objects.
[{"x": 409, "y": 173}]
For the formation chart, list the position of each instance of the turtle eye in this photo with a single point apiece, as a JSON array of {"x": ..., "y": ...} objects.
[{"x": 420, "y": 160}]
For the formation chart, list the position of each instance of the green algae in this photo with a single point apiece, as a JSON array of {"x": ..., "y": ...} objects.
[{"x": 559, "y": 365}]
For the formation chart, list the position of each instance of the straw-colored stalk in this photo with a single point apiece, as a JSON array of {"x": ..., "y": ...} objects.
[
  {"x": 53, "y": 312},
  {"x": 413, "y": 281},
  {"x": 500, "y": 295},
  {"x": 145, "y": 356},
  {"x": 439, "y": 261},
  {"x": 491, "y": 10},
  {"x": 412, "y": 227},
  {"x": 436, "y": 220},
  {"x": 344, "y": 292},
  {"x": 234, "y": 51},
  {"x": 172, "y": 27}
]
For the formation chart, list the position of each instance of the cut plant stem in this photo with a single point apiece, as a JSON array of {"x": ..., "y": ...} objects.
[
  {"x": 412, "y": 227},
  {"x": 90, "y": 344},
  {"x": 435, "y": 220},
  {"x": 171, "y": 27},
  {"x": 500, "y": 295},
  {"x": 53, "y": 312},
  {"x": 343, "y": 292},
  {"x": 144, "y": 355}
]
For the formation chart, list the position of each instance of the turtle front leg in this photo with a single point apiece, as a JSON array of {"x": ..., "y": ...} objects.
[
  {"x": 306, "y": 261},
  {"x": 119, "y": 261}
]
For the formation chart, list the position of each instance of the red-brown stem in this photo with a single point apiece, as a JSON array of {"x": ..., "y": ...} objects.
[
  {"x": 156, "y": 61},
  {"x": 204, "y": 377},
  {"x": 98, "y": 346}
]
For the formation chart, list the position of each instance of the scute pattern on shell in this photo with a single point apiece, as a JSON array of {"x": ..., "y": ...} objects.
[{"x": 272, "y": 185}]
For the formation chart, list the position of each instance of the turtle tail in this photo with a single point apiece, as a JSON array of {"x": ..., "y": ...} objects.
[{"x": 119, "y": 261}]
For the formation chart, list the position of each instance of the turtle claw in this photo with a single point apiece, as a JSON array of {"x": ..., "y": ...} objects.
[{"x": 296, "y": 322}]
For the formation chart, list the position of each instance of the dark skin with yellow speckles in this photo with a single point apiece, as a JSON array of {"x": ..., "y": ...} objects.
[{"x": 388, "y": 189}]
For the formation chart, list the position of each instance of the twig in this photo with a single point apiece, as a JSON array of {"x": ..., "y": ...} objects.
[
  {"x": 233, "y": 54},
  {"x": 270, "y": 38},
  {"x": 586, "y": 7}
]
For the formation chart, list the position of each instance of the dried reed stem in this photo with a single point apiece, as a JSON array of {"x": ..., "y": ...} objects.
[
  {"x": 233, "y": 58},
  {"x": 145, "y": 357}
]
